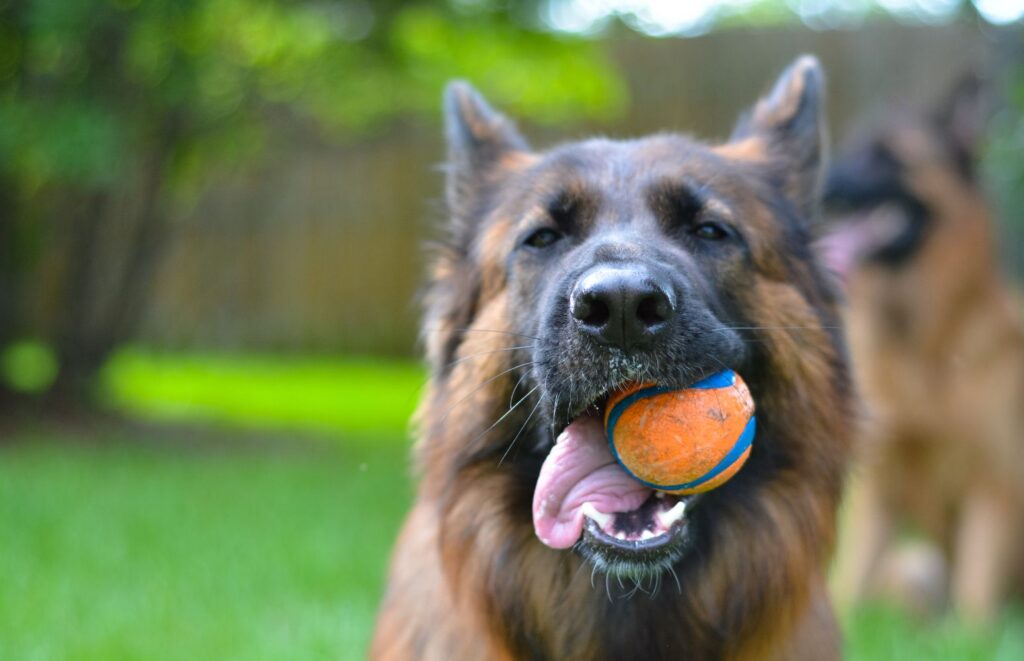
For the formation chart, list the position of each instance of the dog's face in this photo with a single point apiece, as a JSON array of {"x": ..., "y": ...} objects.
[
  {"x": 892, "y": 183},
  {"x": 605, "y": 262}
]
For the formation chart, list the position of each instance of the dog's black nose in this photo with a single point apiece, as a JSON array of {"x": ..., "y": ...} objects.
[{"x": 621, "y": 307}]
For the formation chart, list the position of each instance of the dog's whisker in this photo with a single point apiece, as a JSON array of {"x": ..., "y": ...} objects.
[
  {"x": 636, "y": 586},
  {"x": 576, "y": 574},
  {"x": 505, "y": 415},
  {"x": 521, "y": 429},
  {"x": 481, "y": 385},
  {"x": 717, "y": 360},
  {"x": 485, "y": 353},
  {"x": 679, "y": 586},
  {"x": 554, "y": 415},
  {"x": 808, "y": 327},
  {"x": 516, "y": 387},
  {"x": 500, "y": 332}
]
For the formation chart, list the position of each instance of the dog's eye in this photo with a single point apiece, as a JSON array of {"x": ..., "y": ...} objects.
[
  {"x": 710, "y": 231},
  {"x": 543, "y": 238}
]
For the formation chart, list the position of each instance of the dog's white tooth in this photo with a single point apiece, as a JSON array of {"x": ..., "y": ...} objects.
[
  {"x": 671, "y": 516},
  {"x": 620, "y": 535},
  {"x": 646, "y": 534},
  {"x": 591, "y": 512}
]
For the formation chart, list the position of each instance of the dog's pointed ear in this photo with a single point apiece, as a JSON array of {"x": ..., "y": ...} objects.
[
  {"x": 789, "y": 124},
  {"x": 478, "y": 138},
  {"x": 961, "y": 119}
]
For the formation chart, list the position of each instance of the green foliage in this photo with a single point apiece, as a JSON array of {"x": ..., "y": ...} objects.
[
  {"x": 321, "y": 394},
  {"x": 86, "y": 86},
  {"x": 116, "y": 114},
  {"x": 28, "y": 367},
  {"x": 536, "y": 75}
]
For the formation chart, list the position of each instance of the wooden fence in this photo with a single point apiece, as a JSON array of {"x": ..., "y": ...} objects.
[{"x": 320, "y": 249}]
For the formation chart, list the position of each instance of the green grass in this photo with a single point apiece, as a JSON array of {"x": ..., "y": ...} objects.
[
  {"x": 882, "y": 632},
  {"x": 157, "y": 545},
  {"x": 324, "y": 394},
  {"x": 129, "y": 551},
  {"x": 139, "y": 550}
]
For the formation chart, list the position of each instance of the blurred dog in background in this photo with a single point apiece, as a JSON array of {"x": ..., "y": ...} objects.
[{"x": 938, "y": 351}]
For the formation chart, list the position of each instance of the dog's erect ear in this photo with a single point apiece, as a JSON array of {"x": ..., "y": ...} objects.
[
  {"x": 478, "y": 138},
  {"x": 789, "y": 122},
  {"x": 961, "y": 118}
]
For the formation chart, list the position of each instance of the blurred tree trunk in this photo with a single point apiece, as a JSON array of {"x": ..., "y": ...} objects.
[
  {"x": 94, "y": 323},
  {"x": 8, "y": 286},
  {"x": 8, "y": 280},
  {"x": 116, "y": 232},
  {"x": 75, "y": 344},
  {"x": 12, "y": 16}
]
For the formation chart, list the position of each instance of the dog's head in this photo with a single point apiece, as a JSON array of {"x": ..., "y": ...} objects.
[
  {"x": 897, "y": 179},
  {"x": 573, "y": 271}
]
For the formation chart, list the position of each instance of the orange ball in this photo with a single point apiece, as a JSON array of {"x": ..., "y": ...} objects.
[{"x": 686, "y": 440}]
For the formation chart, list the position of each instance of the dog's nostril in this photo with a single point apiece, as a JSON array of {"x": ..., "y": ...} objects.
[
  {"x": 653, "y": 310},
  {"x": 598, "y": 314},
  {"x": 591, "y": 310}
]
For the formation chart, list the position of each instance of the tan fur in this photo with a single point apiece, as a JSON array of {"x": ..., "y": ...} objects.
[{"x": 939, "y": 353}]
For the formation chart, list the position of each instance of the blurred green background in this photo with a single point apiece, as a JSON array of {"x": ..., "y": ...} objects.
[{"x": 211, "y": 221}]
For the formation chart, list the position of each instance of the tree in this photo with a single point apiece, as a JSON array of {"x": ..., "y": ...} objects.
[{"x": 113, "y": 112}]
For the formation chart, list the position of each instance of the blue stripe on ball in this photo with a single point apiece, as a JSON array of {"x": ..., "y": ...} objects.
[{"x": 722, "y": 379}]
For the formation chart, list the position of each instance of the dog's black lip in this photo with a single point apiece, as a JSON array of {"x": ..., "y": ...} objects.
[{"x": 595, "y": 535}]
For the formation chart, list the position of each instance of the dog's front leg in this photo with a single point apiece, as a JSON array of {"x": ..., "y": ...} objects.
[
  {"x": 865, "y": 535},
  {"x": 983, "y": 553}
]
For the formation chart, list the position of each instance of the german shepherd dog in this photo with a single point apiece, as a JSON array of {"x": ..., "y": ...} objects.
[
  {"x": 568, "y": 273},
  {"x": 938, "y": 351}
]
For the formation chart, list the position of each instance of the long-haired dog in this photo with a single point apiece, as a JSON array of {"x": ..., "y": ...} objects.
[
  {"x": 938, "y": 350},
  {"x": 566, "y": 274}
]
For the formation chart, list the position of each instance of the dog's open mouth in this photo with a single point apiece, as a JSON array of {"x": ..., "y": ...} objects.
[
  {"x": 858, "y": 235},
  {"x": 584, "y": 496},
  {"x": 651, "y": 526}
]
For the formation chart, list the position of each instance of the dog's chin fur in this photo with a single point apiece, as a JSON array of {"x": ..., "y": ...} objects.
[{"x": 743, "y": 578}]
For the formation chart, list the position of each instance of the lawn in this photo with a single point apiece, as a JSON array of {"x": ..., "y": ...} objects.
[
  {"x": 124, "y": 548},
  {"x": 323, "y": 394},
  {"x": 164, "y": 542}
]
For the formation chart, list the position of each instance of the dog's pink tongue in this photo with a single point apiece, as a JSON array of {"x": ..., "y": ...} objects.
[
  {"x": 855, "y": 237},
  {"x": 580, "y": 469}
]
